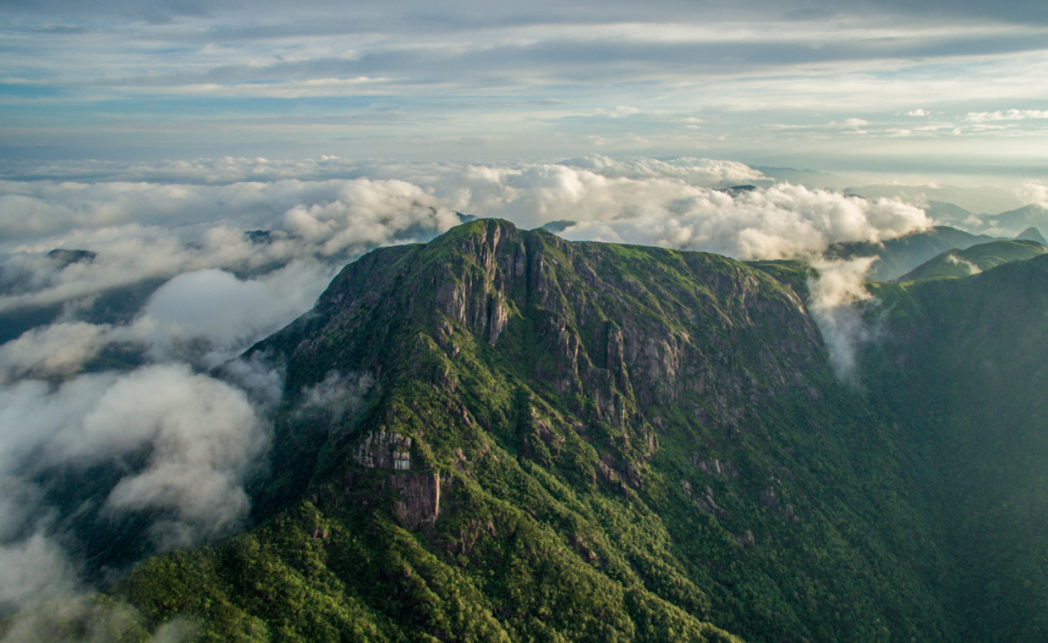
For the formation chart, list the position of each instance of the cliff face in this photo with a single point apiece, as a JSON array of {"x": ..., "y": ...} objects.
[{"x": 579, "y": 441}]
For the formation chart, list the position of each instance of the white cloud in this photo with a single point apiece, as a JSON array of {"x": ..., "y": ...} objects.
[
  {"x": 1034, "y": 192},
  {"x": 56, "y": 350},
  {"x": 782, "y": 222},
  {"x": 918, "y": 112},
  {"x": 1007, "y": 115},
  {"x": 35, "y": 569},
  {"x": 225, "y": 312},
  {"x": 337, "y": 395},
  {"x": 203, "y": 435},
  {"x": 836, "y": 288}
]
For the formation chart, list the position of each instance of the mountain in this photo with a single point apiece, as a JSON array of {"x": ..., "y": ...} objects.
[
  {"x": 965, "y": 359},
  {"x": 947, "y": 212},
  {"x": 962, "y": 263},
  {"x": 903, "y": 254},
  {"x": 1020, "y": 218},
  {"x": 1032, "y": 234},
  {"x": 526, "y": 438},
  {"x": 981, "y": 199}
]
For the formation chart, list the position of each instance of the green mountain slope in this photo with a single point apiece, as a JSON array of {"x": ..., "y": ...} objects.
[
  {"x": 962, "y": 263},
  {"x": 899, "y": 256},
  {"x": 977, "y": 400},
  {"x": 541, "y": 440}
]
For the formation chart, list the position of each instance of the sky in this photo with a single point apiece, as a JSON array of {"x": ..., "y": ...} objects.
[{"x": 919, "y": 90}]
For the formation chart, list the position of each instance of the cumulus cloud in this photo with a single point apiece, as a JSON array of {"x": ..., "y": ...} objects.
[
  {"x": 785, "y": 221},
  {"x": 201, "y": 438},
  {"x": 213, "y": 313},
  {"x": 971, "y": 267},
  {"x": 835, "y": 289},
  {"x": 34, "y": 570}
]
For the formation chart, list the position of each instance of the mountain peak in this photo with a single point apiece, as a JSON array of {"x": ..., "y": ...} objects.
[{"x": 1032, "y": 234}]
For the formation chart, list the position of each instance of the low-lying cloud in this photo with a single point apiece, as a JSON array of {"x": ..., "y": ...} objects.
[
  {"x": 200, "y": 438},
  {"x": 836, "y": 287}
]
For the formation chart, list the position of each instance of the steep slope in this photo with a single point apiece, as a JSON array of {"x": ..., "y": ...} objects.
[
  {"x": 570, "y": 441},
  {"x": 962, "y": 263},
  {"x": 965, "y": 361},
  {"x": 899, "y": 256}
]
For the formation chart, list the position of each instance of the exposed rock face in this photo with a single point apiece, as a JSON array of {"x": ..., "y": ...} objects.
[
  {"x": 384, "y": 451},
  {"x": 418, "y": 502}
]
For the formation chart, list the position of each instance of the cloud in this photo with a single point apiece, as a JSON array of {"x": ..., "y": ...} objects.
[
  {"x": 836, "y": 287},
  {"x": 211, "y": 315},
  {"x": 1007, "y": 115},
  {"x": 36, "y": 570},
  {"x": 227, "y": 287},
  {"x": 785, "y": 221},
  {"x": 336, "y": 396},
  {"x": 203, "y": 438},
  {"x": 918, "y": 112},
  {"x": 56, "y": 350},
  {"x": 972, "y": 268},
  {"x": 1034, "y": 192}
]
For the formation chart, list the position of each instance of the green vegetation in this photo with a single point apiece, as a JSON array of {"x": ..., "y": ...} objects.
[
  {"x": 963, "y": 263},
  {"x": 616, "y": 443},
  {"x": 899, "y": 256}
]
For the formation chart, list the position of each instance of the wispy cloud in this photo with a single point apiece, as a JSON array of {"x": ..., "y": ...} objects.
[{"x": 1006, "y": 115}]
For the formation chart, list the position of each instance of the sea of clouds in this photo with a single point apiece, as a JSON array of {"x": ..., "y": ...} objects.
[{"x": 210, "y": 256}]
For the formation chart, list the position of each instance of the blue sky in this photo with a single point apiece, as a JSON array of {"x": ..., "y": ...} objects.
[{"x": 943, "y": 89}]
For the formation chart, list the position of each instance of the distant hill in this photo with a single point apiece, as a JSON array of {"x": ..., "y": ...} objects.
[
  {"x": 948, "y": 212},
  {"x": 899, "y": 256},
  {"x": 974, "y": 199},
  {"x": 1032, "y": 234},
  {"x": 976, "y": 259},
  {"x": 1020, "y": 218},
  {"x": 808, "y": 178}
]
